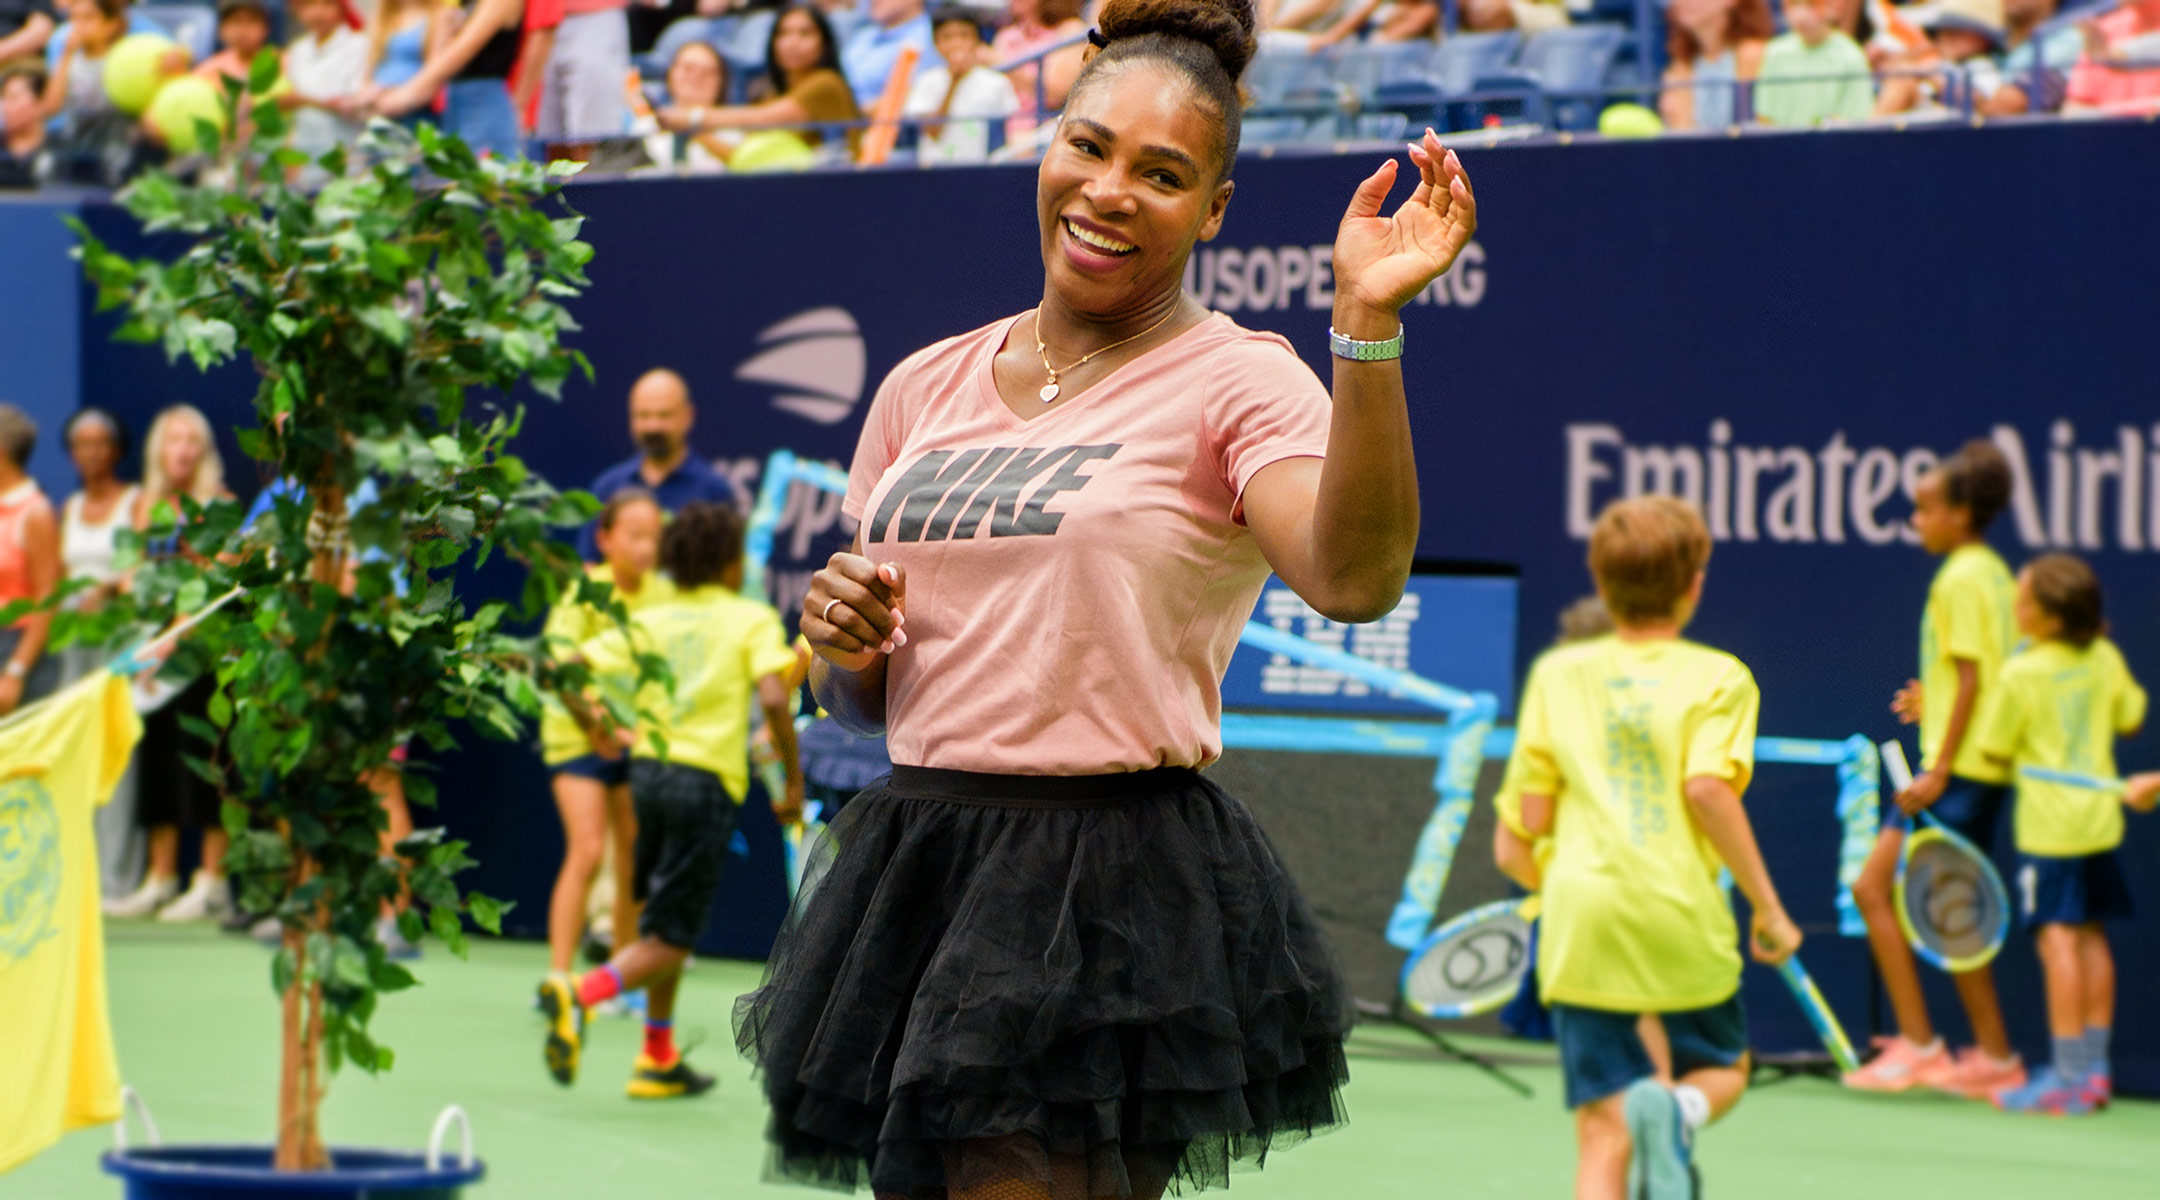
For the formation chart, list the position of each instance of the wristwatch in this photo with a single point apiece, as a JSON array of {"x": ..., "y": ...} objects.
[{"x": 1357, "y": 351}]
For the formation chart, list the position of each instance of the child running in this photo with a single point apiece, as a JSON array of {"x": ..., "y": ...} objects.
[
  {"x": 592, "y": 790},
  {"x": 1632, "y": 752},
  {"x": 689, "y": 771},
  {"x": 1966, "y": 633},
  {"x": 2060, "y": 704}
]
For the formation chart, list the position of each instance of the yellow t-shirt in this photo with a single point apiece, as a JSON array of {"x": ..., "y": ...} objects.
[
  {"x": 1613, "y": 730},
  {"x": 1968, "y": 616},
  {"x": 569, "y": 626},
  {"x": 1507, "y": 806},
  {"x": 57, "y": 1067},
  {"x": 2058, "y": 706},
  {"x": 718, "y": 645}
]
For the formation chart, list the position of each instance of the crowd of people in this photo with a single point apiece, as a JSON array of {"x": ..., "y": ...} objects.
[{"x": 512, "y": 76}]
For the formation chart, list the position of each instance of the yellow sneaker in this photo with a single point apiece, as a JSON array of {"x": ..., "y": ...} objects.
[
  {"x": 565, "y": 1027},
  {"x": 676, "y": 1081}
]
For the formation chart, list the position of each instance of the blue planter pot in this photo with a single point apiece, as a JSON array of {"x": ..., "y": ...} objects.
[{"x": 219, "y": 1172}]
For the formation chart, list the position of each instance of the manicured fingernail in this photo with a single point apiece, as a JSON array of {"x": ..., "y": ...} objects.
[
  {"x": 899, "y": 637},
  {"x": 898, "y": 617},
  {"x": 885, "y": 647},
  {"x": 886, "y": 572}
]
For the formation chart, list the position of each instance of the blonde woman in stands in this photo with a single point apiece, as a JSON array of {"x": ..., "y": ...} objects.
[{"x": 180, "y": 463}]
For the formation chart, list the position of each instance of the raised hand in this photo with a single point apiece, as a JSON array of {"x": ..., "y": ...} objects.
[
  {"x": 1381, "y": 263},
  {"x": 852, "y": 612}
]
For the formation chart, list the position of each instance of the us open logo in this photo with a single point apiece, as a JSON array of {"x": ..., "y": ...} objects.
[{"x": 815, "y": 360}]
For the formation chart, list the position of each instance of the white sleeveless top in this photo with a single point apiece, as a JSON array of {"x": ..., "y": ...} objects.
[{"x": 88, "y": 551}]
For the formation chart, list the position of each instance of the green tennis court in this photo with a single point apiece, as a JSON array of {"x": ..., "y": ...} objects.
[{"x": 198, "y": 1037}]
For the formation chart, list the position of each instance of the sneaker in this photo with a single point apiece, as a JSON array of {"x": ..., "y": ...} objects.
[
  {"x": 627, "y": 1005},
  {"x": 566, "y": 1027},
  {"x": 394, "y": 945},
  {"x": 2099, "y": 1089},
  {"x": 1903, "y": 1066},
  {"x": 2046, "y": 1093},
  {"x": 240, "y": 920},
  {"x": 1662, "y": 1166},
  {"x": 207, "y": 899},
  {"x": 269, "y": 931},
  {"x": 154, "y": 893},
  {"x": 649, "y": 1081},
  {"x": 1978, "y": 1077}
]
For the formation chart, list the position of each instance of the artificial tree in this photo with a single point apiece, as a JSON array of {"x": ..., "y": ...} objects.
[{"x": 385, "y": 314}]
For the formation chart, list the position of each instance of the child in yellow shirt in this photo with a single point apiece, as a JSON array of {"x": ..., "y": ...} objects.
[
  {"x": 689, "y": 772},
  {"x": 1632, "y": 752},
  {"x": 1966, "y": 633},
  {"x": 592, "y": 792},
  {"x": 2060, "y": 704}
]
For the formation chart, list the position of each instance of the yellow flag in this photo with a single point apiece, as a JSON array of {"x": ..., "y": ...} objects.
[{"x": 58, "y": 763}]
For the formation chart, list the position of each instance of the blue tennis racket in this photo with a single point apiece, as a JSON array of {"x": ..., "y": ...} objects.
[
  {"x": 1473, "y": 964},
  {"x": 1950, "y": 900},
  {"x": 1819, "y": 1014}
]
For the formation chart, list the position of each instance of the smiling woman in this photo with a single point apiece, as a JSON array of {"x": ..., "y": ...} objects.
[{"x": 1046, "y": 957}]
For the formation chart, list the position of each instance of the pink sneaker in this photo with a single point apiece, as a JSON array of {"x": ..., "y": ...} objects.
[
  {"x": 1903, "y": 1066},
  {"x": 1977, "y": 1076}
]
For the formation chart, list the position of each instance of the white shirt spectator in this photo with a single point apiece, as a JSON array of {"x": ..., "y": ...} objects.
[
  {"x": 325, "y": 69},
  {"x": 984, "y": 95}
]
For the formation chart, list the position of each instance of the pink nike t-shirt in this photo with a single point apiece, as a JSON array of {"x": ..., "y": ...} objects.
[{"x": 1075, "y": 582}]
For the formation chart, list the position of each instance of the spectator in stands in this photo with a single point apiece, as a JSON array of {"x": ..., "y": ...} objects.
[
  {"x": 1036, "y": 26},
  {"x": 90, "y": 127},
  {"x": 472, "y": 68},
  {"x": 399, "y": 40},
  {"x": 327, "y": 66},
  {"x": 29, "y": 565},
  {"x": 243, "y": 29},
  {"x": 25, "y": 27},
  {"x": 661, "y": 416},
  {"x": 1814, "y": 74},
  {"x": 959, "y": 98},
  {"x": 180, "y": 459},
  {"x": 2101, "y": 83},
  {"x": 1381, "y": 21},
  {"x": 1300, "y": 16},
  {"x": 90, "y": 524},
  {"x": 1530, "y": 17},
  {"x": 25, "y": 161},
  {"x": 1967, "y": 38},
  {"x": 697, "y": 79},
  {"x": 874, "y": 48},
  {"x": 1715, "y": 45},
  {"x": 576, "y": 58},
  {"x": 804, "y": 84},
  {"x": 55, "y": 45},
  {"x": 2040, "y": 65}
]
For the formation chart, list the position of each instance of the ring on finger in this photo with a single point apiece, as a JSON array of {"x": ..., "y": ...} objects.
[{"x": 826, "y": 614}]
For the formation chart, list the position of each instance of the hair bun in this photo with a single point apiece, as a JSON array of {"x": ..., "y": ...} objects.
[{"x": 1223, "y": 26}]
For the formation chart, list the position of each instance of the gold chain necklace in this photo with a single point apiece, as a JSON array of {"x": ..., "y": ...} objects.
[{"x": 1049, "y": 392}]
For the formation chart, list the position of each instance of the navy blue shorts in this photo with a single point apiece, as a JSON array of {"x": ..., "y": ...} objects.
[
  {"x": 1970, "y": 808},
  {"x": 1601, "y": 1054},
  {"x": 2072, "y": 891},
  {"x": 613, "y": 773}
]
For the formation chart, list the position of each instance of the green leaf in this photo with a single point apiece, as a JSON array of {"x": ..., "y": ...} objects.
[
  {"x": 487, "y": 912},
  {"x": 444, "y": 923},
  {"x": 220, "y": 709},
  {"x": 282, "y": 970},
  {"x": 264, "y": 71}
]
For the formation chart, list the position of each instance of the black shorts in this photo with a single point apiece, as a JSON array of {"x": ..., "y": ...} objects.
[
  {"x": 685, "y": 818},
  {"x": 2084, "y": 890},
  {"x": 1601, "y": 1053},
  {"x": 169, "y": 792},
  {"x": 609, "y": 772},
  {"x": 1970, "y": 808}
]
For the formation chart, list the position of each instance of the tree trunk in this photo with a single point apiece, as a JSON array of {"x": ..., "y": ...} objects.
[{"x": 300, "y": 1072}]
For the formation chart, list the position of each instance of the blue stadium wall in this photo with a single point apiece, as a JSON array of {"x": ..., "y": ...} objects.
[{"x": 1786, "y": 327}]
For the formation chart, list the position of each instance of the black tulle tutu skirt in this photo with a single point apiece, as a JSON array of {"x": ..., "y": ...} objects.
[{"x": 992, "y": 978}]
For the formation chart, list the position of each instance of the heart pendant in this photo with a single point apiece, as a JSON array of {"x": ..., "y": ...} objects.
[{"x": 1049, "y": 392}]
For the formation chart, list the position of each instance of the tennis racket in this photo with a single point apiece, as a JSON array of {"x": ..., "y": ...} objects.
[
  {"x": 1473, "y": 964},
  {"x": 1950, "y": 901},
  {"x": 1819, "y": 1014},
  {"x": 2098, "y": 783},
  {"x": 792, "y": 838},
  {"x": 1456, "y": 783}
]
